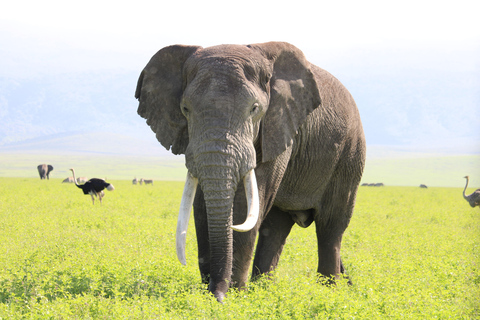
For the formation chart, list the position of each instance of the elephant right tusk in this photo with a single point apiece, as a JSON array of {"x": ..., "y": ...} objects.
[
  {"x": 251, "y": 192},
  {"x": 184, "y": 215}
]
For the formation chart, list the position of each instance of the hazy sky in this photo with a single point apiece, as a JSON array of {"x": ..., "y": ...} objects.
[
  {"x": 353, "y": 38},
  {"x": 329, "y": 30}
]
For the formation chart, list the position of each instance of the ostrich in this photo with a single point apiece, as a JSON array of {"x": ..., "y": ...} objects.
[
  {"x": 474, "y": 198},
  {"x": 68, "y": 180},
  {"x": 94, "y": 187},
  {"x": 82, "y": 179}
]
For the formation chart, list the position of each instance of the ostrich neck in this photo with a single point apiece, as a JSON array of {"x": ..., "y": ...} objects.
[
  {"x": 465, "y": 189},
  {"x": 76, "y": 183}
]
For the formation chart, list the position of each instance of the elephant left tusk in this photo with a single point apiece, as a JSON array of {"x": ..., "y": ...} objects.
[
  {"x": 251, "y": 191},
  {"x": 184, "y": 215}
]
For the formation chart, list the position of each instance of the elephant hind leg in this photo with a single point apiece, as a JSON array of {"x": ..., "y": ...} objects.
[
  {"x": 271, "y": 239},
  {"x": 331, "y": 221},
  {"x": 329, "y": 262}
]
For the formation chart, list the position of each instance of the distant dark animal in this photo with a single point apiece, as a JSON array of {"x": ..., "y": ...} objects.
[
  {"x": 135, "y": 180},
  {"x": 94, "y": 187},
  {"x": 423, "y": 186},
  {"x": 68, "y": 180},
  {"x": 148, "y": 181},
  {"x": 44, "y": 171},
  {"x": 474, "y": 198}
]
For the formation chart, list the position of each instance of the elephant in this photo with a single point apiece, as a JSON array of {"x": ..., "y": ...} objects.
[
  {"x": 264, "y": 115},
  {"x": 44, "y": 171}
]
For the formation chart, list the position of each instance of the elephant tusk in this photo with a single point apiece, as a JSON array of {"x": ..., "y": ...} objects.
[
  {"x": 251, "y": 191},
  {"x": 184, "y": 215}
]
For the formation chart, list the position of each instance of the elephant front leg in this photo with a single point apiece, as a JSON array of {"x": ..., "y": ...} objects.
[
  {"x": 272, "y": 235},
  {"x": 242, "y": 257},
  {"x": 243, "y": 242},
  {"x": 203, "y": 243}
]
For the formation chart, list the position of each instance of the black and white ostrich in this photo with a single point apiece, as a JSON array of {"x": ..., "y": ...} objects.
[
  {"x": 474, "y": 198},
  {"x": 94, "y": 187}
]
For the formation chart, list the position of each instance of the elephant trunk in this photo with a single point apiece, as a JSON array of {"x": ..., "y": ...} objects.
[
  {"x": 219, "y": 184},
  {"x": 219, "y": 196}
]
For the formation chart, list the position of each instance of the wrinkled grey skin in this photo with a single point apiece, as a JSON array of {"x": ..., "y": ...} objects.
[
  {"x": 44, "y": 171},
  {"x": 232, "y": 108}
]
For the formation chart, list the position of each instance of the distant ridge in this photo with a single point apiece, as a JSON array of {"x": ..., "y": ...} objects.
[{"x": 89, "y": 143}]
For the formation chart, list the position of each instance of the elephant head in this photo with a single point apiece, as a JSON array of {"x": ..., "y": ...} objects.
[{"x": 228, "y": 108}]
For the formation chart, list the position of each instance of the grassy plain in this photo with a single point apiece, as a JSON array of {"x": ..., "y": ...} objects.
[{"x": 411, "y": 253}]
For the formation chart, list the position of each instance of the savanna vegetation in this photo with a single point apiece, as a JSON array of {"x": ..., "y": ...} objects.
[{"x": 411, "y": 253}]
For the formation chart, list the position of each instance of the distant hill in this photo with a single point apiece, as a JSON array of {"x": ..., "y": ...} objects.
[
  {"x": 105, "y": 143},
  {"x": 408, "y": 108},
  {"x": 68, "y": 103}
]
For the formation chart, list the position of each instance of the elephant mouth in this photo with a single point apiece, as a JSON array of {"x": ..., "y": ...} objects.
[{"x": 186, "y": 204}]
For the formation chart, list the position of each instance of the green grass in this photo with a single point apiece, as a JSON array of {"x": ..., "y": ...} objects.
[{"x": 411, "y": 253}]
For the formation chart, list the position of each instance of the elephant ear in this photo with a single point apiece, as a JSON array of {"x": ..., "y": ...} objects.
[
  {"x": 294, "y": 95},
  {"x": 159, "y": 91}
]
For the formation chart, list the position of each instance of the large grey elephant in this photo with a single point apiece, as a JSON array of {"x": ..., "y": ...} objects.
[
  {"x": 44, "y": 170},
  {"x": 263, "y": 114}
]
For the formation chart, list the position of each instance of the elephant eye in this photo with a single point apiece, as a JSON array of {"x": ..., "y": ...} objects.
[
  {"x": 185, "y": 110},
  {"x": 254, "y": 108}
]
